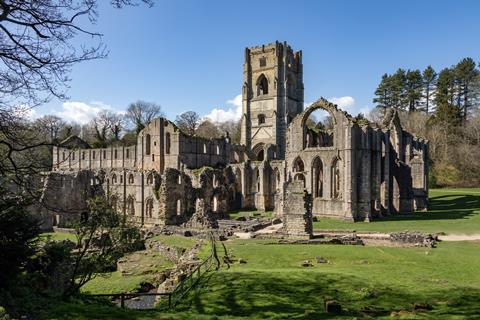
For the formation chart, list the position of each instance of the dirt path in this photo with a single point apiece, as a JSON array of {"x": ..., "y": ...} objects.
[{"x": 460, "y": 237}]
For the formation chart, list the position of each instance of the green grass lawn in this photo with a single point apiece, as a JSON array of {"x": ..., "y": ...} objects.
[
  {"x": 273, "y": 285},
  {"x": 369, "y": 282},
  {"x": 453, "y": 211},
  {"x": 175, "y": 241}
]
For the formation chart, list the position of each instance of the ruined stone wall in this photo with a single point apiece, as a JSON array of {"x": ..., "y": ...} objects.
[
  {"x": 65, "y": 196},
  {"x": 327, "y": 169},
  {"x": 100, "y": 158}
]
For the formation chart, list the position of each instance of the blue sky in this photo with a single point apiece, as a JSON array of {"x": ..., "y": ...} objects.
[{"x": 188, "y": 54}]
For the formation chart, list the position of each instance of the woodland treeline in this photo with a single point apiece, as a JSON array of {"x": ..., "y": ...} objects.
[{"x": 442, "y": 107}]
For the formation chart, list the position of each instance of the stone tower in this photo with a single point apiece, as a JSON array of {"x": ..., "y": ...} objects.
[{"x": 272, "y": 95}]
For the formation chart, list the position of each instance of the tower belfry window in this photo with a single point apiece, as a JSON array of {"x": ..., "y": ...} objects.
[
  {"x": 263, "y": 62},
  {"x": 262, "y": 85},
  {"x": 261, "y": 119}
]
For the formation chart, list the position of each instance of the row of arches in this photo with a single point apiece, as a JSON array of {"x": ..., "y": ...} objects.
[
  {"x": 130, "y": 206},
  {"x": 318, "y": 177},
  {"x": 130, "y": 179}
]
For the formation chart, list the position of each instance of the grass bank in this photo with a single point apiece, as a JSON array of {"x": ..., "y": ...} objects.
[{"x": 453, "y": 211}]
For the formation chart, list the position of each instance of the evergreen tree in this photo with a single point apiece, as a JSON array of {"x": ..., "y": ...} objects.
[
  {"x": 429, "y": 81},
  {"x": 398, "y": 92},
  {"x": 466, "y": 73},
  {"x": 383, "y": 93},
  {"x": 447, "y": 112},
  {"x": 413, "y": 89}
]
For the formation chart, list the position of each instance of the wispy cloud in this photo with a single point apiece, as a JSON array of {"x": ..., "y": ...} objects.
[
  {"x": 81, "y": 112},
  {"x": 347, "y": 103}
]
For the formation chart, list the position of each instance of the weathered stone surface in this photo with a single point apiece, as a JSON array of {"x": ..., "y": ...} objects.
[
  {"x": 414, "y": 238},
  {"x": 297, "y": 215},
  {"x": 307, "y": 263},
  {"x": 321, "y": 260}
]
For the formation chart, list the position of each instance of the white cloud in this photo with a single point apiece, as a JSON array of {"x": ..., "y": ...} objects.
[
  {"x": 81, "y": 112},
  {"x": 347, "y": 103},
  {"x": 233, "y": 113}
]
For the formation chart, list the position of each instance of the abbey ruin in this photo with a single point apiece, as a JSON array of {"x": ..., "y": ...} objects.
[{"x": 352, "y": 170}]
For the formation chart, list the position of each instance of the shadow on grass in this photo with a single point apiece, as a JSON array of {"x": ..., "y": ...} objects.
[
  {"x": 260, "y": 295},
  {"x": 445, "y": 207}
]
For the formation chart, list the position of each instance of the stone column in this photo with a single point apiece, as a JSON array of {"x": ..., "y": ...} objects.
[
  {"x": 297, "y": 211},
  {"x": 349, "y": 177}
]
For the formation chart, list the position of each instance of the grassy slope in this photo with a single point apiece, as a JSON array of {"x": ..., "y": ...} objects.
[
  {"x": 273, "y": 285},
  {"x": 451, "y": 211},
  {"x": 147, "y": 264}
]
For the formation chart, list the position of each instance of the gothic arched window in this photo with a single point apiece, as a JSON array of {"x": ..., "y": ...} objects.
[
  {"x": 262, "y": 85},
  {"x": 147, "y": 144},
  {"x": 150, "y": 179},
  {"x": 317, "y": 185},
  {"x": 149, "y": 208},
  {"x": 336, "y": 184},
  {"x": 167, "y": 143}
]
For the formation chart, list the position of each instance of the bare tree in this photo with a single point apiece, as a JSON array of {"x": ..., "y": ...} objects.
[
  {"x": 37, "y": 52},
  {"x": 107, "y": 126},
  {"x": 188, "y": 122},
  {"x": 140, "y": 113},
  {"x": 51, "y": 126},
  {"x": 208, "y": 130}
]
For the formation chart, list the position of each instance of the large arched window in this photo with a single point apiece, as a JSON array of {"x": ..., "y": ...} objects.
[
  {"x": 259, "y": 152},
  {"x": 150, "y": 179},
  {"x": 130, "y": 206},
  {"x": 147, "y": 144},
  {"x": 262, "y": 85},
  {"x": 149, "y": 208},
  {"x": 298, "y": 165},
  {"x": 336, "y": 179},
  {"x": 317, "y": 178},
  {"x": 167, "y": 143}
]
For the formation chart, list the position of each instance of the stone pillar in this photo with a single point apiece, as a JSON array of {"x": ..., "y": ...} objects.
[
  {"x": 349, "y": 177},
  {"x": 297, "y": 211}
]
